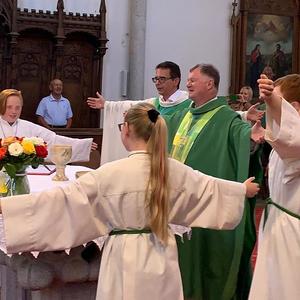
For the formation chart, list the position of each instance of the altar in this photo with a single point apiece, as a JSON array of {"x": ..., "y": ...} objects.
[{"x": 49, "y": 275}]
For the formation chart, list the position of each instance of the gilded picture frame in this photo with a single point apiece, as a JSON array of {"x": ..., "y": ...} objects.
[
  {"x": 269, "y": 47},
  {"x": 265, "y": 39}
]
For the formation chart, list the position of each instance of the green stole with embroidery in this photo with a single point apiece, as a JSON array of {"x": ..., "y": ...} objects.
[{"x": 186, "y": 136}]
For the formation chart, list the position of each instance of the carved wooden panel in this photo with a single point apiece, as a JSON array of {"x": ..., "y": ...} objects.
[
  {"x": 276, "y": 7},
  {"x": 37, "y": 46},
  {"x": 77, "y": 75},
  {"x": 5, "y": 9},
  {"x": 34, "y": 53}
]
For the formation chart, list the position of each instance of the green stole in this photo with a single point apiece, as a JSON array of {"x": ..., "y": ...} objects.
[
  {"x": 186, "y": 135},
  {"x": 170, "y": 110}
]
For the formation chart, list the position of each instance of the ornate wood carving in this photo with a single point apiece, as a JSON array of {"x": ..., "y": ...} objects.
[
  {"x": 37, "y": 46},
  {"x": 239, "y": 23},
  {"x": 274, "y": 7}
]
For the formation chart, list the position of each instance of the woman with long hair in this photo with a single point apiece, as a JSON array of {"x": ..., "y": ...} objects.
[{"x": 133, "y": 201}]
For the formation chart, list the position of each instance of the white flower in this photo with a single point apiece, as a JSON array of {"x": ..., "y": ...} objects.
[
  {"x": 35, "y": 140},
  {"x": 15, "y": 149}
]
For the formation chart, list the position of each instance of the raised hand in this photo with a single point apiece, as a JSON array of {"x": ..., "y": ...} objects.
[
  {"x": 253, "y": 114},
  {"x": 252, "y": 188},
  {"x": 266, "y": 87},
  {"x": 96, "y": 103},
  {"x": 271, "y": 96}
]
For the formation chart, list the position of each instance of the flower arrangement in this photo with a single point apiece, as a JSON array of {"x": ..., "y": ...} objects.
[{"x": 17, "y": 153}]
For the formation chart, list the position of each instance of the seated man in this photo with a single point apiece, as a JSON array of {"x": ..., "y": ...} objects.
[
  {"x": 54, "y": 111},
  {"x": 11, "y": 103}
]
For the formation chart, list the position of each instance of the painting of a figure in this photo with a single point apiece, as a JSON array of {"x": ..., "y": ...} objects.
[{"x": 269, "y": 44}]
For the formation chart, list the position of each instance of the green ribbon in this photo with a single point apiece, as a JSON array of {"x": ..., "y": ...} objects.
[
  {"x": 186, "y": 136},
  {"x": 130, "y": 231},
  {"x": 269, "y": 201}
]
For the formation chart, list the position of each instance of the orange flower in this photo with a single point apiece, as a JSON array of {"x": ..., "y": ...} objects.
[
  {"x": 3, "y": 151},
  {"x": 7, "y": 141}
]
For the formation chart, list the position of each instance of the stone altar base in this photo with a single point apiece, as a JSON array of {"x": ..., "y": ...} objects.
[{"x": 51, "y": 276}]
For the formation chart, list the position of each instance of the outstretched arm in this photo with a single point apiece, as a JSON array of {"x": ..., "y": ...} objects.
[
  {"x": 252, "y": 188},
  {"x": 253, "y": 114},
  {"x": 96, "y": 103},
  {"x": 70, "y": 211},
  {"x": 209, "y": 202},
  {"x": 258, "y": 133}
]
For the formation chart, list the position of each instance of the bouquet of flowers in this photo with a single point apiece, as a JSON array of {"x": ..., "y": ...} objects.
[
  {"x": 15, "y": 155},
  {"x": 18, "y": 153}
]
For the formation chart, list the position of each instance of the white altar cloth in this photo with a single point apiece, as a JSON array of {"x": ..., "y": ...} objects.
[{"x": 40, "y": 183}]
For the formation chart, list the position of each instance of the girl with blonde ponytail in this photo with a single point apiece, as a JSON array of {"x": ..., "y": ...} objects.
[
  {"x": 151, "y": 127},
  {"x": 132, "y": 201}
]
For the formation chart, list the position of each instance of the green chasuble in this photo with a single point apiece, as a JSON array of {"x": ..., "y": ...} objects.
[
  {"x": 169, "y": 110},
  {"x": 214, "y": 264}
]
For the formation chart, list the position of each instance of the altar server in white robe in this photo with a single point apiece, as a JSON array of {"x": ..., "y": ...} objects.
[
  {"x": 11, "y": 103},
  {"x": 170, "y": 99},
  {"x": 278, "y": 261},
  {"x": 133, "y": 200}
]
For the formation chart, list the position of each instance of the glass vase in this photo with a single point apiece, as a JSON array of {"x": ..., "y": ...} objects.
[
  {"x": 18, "y": 185},
  {"x": 15, "y": 185}
]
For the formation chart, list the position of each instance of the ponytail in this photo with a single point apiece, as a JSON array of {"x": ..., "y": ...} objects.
[{"x": 149, "y": 125}]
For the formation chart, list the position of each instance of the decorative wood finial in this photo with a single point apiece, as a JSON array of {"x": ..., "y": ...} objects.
[
  {"x": 60, "y": 5},
  {"x": 102, "y": 8}
]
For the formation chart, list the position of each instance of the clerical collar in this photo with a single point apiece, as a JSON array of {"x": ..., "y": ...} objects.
[
  {"x": 172, "y": 98},
  {"x": 211, "y": 100},
  {"x": 176, "y": 98}
]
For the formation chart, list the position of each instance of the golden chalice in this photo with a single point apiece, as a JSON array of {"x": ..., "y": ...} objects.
[{"x": 60, "y": 155}]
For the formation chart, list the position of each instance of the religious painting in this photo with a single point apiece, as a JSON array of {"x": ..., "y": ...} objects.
[
  {"x": 265, "y": 39},
  {"x": 269, "y": 45}
]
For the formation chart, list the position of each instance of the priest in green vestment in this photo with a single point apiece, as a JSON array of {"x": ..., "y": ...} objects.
[
  {"x": 212, "y": 138},
  {"x": 171, "y": 99}
]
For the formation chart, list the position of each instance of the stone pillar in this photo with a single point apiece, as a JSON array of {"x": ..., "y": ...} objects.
[{"x": 137, "y": 49}]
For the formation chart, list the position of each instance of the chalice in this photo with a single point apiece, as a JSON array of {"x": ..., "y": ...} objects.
[{"x": 60, "y": 155}]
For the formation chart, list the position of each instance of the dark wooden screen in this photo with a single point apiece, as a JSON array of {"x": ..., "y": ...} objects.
[
  {"x": 77, "y": 74},
  {"x": 36, "y": 47},
  {"x": 34, "y": 61}
]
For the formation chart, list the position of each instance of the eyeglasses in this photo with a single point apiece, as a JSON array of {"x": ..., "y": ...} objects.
[
  {"x": 120, "y": 126},
  {"x": 161, "y": 79}
]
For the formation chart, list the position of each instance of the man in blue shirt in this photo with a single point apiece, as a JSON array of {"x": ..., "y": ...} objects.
[{"x": 54, "y": 111}]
